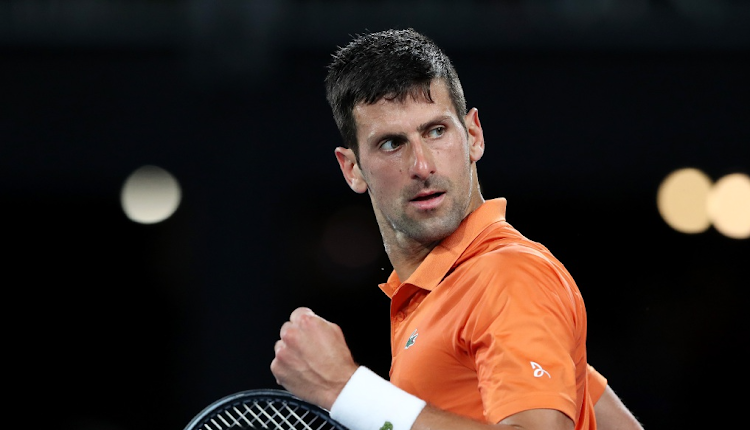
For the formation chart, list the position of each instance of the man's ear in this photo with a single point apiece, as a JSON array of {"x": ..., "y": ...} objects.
[
  {"x": 476, "y": 135},
  {"x": 350, "y": 169}
]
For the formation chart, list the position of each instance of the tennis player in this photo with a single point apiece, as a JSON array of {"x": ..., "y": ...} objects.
[{"x": 488, "y": 328}]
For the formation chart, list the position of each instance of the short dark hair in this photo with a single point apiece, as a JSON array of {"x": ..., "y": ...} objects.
[{"x": 391, "y": 63}]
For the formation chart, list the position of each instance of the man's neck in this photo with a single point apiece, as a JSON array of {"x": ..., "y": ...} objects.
[{"x": 406, "y": 259}]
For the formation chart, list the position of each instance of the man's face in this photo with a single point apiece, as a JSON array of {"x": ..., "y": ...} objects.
[{"x": 416, "y": 160}]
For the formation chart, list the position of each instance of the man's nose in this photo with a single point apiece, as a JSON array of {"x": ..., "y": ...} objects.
[{"x": 422, "y": 163}]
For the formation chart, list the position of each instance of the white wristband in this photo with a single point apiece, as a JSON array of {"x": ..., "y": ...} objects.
[{"x": 369, "y": 402}]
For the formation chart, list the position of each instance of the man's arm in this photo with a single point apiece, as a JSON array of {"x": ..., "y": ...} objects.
[
  {"x": 612, "y": 414},
  {"x": 314, "y": 363},
  {"x": 432, "y": 418}
]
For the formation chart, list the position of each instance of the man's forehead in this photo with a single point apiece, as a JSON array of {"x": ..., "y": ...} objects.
[
  {"x": 391, "y": 108},
  {"x": 438, "y": 88}
]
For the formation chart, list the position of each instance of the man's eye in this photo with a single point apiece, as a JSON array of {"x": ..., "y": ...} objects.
[
  {"x": 389, "y": 145},
  {"x": 437, "y": 132}
]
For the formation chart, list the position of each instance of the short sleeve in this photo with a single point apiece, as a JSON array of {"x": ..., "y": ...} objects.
[
  {"x": 597, "y": 384},
  {"x": 524, "y": 337}
]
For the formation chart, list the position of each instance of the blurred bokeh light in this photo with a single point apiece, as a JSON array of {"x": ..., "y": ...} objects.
[{"x": 150, "y": 195}]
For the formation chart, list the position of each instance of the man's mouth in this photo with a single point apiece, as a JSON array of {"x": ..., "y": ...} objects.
[
  {"x": 427, "y": 196},
  {"x": 428, "y": 201}
]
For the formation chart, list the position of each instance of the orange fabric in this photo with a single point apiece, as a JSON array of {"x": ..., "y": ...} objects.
[
  {"x": 491, "y": 324},
  {"x": 597, "y": 384}
]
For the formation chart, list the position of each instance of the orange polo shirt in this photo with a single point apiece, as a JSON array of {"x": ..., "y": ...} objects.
[{"x": 492, "y": 324}]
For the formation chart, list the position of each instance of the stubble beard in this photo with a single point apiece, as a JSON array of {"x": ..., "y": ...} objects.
[{"x": 430, "y": 227}]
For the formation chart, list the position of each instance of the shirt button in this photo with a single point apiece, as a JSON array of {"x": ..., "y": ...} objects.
[{"x": 400, "y": 316}]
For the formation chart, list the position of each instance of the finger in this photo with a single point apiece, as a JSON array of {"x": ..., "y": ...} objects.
[
  {"x": 299, "y": 313},
  {"x": 285, "y": 328},
  {"x": 278, "y": 346},
  {"x": 275, "y": 372}
]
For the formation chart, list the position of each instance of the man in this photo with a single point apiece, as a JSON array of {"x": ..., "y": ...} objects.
[{"x": 488, "y": 329}]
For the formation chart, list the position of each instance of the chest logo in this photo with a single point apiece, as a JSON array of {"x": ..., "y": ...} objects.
[
  {"x": 412, "y": 339},
  {"x": 538, "y": 370}
]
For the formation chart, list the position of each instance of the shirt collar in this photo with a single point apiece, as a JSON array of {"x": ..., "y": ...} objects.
[{"x": 443, "y": 257}]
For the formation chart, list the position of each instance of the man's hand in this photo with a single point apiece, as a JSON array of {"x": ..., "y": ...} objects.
[{"x": 312, "y": 359}]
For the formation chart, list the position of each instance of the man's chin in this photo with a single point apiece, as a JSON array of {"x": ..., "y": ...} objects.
[{"x": 427, "y": 232}]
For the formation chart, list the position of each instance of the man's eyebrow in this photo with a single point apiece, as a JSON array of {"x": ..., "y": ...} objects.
[
  {"x": 439, "y": 120},
  {"x": 387, "y": 136}
]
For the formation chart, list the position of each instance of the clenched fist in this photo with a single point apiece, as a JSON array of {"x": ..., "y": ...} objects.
[{"x": 312, "y": 359}]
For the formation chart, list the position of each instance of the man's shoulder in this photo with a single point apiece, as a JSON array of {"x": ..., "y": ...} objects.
[
  {"x": 500, "y": 236},
  {"x": 501, "y": 247}
]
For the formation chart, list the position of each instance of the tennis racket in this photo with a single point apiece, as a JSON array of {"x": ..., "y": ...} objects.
[{"x": 263, "y": 409}]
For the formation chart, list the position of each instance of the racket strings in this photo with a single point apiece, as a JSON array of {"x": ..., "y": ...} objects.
[{"x": 267, "y": 415}]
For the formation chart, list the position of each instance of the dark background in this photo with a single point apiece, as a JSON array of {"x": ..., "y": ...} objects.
[{"x": 586, "y": 107}]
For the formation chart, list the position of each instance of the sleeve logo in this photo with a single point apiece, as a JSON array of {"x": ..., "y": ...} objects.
[{"x": 538, "y": 371}]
